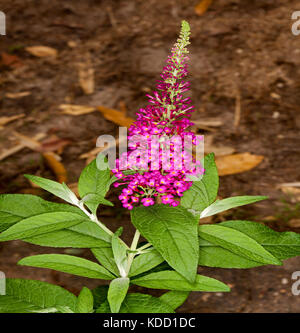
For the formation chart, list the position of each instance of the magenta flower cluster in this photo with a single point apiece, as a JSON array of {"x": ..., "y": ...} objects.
[{"x": 160, "y": 167}]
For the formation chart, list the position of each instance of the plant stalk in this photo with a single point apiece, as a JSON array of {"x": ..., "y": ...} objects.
[{"x": 132, "y": 248}]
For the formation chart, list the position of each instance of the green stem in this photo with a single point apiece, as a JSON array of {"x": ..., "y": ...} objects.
[
  {"x": 132, "y": 248},
  {"x": 144, "y": 247},
  {"x": 94, "y": 218}
]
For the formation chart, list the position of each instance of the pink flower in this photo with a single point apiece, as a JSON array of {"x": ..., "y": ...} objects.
[
  {"x": 119, "y": 175},
  {"x": 167, "y": 198},
  {"x": 151, "y": 182},
  {"x": 127, "y": 191},
  {"x": 167, "y": 117},
  {"x": 147, "y": 201},
  {"x": 161, "y": 189},
  {"x": 128, "y": 206}
]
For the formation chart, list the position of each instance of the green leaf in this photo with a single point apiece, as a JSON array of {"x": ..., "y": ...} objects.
[
  {"x": 100, "y": 295},
  {"x": 173, "y": 281},
  {"x": 106, "y": 258},
  {"x": 212, "y": 255},
  {"x": 60, "y": 190},
  {"x": 83, "y": 235},
  {"x": 173, "y": 233},
  {"x": 174, "y": 298},
  {"x": 164, "y": 266},
  {"x": 24, "y": 296},
  {"x": 68, "y": 264},
  {"x": 120, "y": 252},
  {"x": 144, "y": 262},
  {"x": 91, "y": 229},
  {"x": 237, "y": 242},
  {"x": 204, "y": 192},
  {"x": 92, "y": 201},
  {"x": 282, "y": 245},
  {"x": 67, "y": 238},
  {"x": 41, "y": 224},
  {"x": 63, "y": 309},
  {"x": 85, "y": 301},
  {"x": 139, "y": 303},
  {"x": 117, "y": 292},
  {"x": 93, "y": 181},
  {"x": 225, "y": 204},
  {"x": 16, "y": 207}
]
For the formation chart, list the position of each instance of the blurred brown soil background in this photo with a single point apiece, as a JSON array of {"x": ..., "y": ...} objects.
[{"x": 245, "y": 77}]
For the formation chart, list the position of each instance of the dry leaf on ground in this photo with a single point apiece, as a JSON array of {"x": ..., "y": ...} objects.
[
  {"x": 294, "y": 184},
  {"x": 115, "y": 116},
  {"x": 53, "y": 161},
  {"x": 213, "y": 122},
  {"x": 207, "y": 124},
  {"x": 219, "y": 150},
  {"x": 294, "y": 223},
  {"x": 86, "y": 77},
  {"x": 237, "y": 163},
  {"x": 17, "y": 95},
  {"x": 202, "y": 7},
  {"x": 91, "y": 153},
  {"x": 291, "y": 191},
  {"x": 10, "y": 60},
  {"x": 76, "y": 110},
  {"x": 54, "y": 143},
  {"x": 10, "y": 151},
  {"x": 6, "y": 120},
  {"x": 123, "y": 108},
  {"x": 42, "y": 51},
  {"x": 27, "y": 141},
  {"x": 238, "y": 110}
]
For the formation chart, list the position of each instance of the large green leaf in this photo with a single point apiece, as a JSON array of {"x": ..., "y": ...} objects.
[
  {"x": 173, "y": 281},
  {"x": 41, "y": 224},
  {"x": 67, "y": 238},
  {"x": 203, "y": 192},
  {"x": 225, "y": 204},
  {"x": 212, "y": 255},
  {"x": 16, "y": 207},
  {"x": 83, "y": 235},
  {"x": 173, "y": 233},
  {"x": 85, "y": 301},
  {"x": 60, "y": 190},
  {"x": 93, "y": 180},
  {"x": 237, "y": 242},
  {"x": 117, "y": 292},
  {"x": 68, "y": 264},
  {"x": 24, "y": 296},
  {"x": 144, "y": 262},
  {"x": 139, "y": 303},
  {"x": 100, "y": 295},
  {"x": 282, "y": 245},
  {"x": 91, "y": 229},
  {"x": 120, "y": 252},
  {"x": 106, "y": 258},
  {"x": 174, "y": 298}
]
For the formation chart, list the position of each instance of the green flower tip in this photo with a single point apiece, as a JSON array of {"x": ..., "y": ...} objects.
[
  {"x": 183, "y": 39},
  {"x": 185, "y": 27}
]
